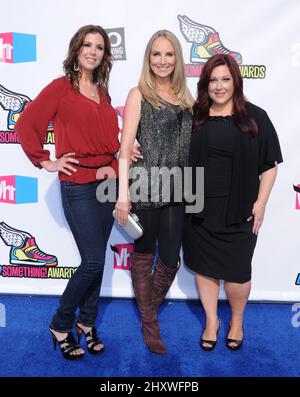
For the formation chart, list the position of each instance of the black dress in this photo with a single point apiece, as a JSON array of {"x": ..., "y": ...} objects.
[{"x": 213, "y": 246}]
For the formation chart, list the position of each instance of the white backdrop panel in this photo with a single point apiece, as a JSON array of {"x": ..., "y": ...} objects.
[{"x": 265, "y": 33}]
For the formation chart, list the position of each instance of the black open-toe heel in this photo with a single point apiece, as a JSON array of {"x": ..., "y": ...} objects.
[
  {"x": 69, "y": 348},
  {"x": 211, "y": 343},
  {"x": 237, "y": 343},
  {"x": 91, "y": 338}
]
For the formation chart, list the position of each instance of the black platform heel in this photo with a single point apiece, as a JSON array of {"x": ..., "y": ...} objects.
[
  {"x": 237, "y": 342},
  {"x": 91, "y": 338},
  {"x": 211, "y": 343},
  {"x": 69, "y": 348}
]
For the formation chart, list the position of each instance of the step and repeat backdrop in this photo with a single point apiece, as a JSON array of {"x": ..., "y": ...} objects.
[{"x": 34, "y": 37}]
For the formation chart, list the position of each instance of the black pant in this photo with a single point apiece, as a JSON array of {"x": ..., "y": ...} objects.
[{"x": 164, "y": 225}]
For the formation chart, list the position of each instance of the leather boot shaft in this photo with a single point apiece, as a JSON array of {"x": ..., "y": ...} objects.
[
  {"x": 162, "y": 280},
  {"x": 141, "y": 275}
]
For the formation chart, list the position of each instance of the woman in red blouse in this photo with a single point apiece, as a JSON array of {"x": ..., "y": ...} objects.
[{"x": 86, "y": 141}]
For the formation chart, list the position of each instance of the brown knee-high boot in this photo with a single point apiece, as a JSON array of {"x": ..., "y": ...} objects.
[
  {"x": 141, "y": 275},
  {"x": 162, "y": 280}
]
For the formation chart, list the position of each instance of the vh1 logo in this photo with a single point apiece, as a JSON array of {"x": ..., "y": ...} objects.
[
  {"x": 297, "y": 190},
  {"x": 15, "y": 189},
  {"x": 17, "y": 47},
  {"x": 122, "y": 256}
]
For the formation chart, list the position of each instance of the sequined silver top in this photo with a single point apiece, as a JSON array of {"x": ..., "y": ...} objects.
[{"x": 164, "y": 135}]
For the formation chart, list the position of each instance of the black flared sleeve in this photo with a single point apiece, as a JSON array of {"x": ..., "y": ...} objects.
[{"x": 269, "y": 146}]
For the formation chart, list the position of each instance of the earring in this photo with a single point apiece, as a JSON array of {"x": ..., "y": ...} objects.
[{"x": 76, "y": 67}]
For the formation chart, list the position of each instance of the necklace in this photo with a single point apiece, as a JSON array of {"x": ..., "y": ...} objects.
[
  {"x": 167, "y": 94},
  {"x": 94, "y": 93},
  {"x": 215, "y": 114},
  {"x": 89, "y": 91}
]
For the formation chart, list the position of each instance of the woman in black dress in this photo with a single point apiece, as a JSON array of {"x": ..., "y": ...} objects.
[{"x": 238, "y": 147}]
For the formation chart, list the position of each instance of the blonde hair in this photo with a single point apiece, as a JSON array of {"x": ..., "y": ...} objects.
[{"x": 147, "y": 83}]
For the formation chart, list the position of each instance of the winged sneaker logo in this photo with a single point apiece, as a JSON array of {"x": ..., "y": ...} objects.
[
  {"x": 14, "y": 104},
  {"x": 205, "y": 42},
  {"x": 26, "y": 259}
]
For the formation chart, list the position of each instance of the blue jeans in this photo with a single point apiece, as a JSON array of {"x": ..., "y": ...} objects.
[{"x": 90, "y": 222}]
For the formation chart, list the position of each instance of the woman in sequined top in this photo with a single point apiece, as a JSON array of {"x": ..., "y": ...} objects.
[{"x": 158, "y": 114}]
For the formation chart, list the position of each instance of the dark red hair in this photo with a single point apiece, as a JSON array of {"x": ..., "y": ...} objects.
[{"x": 203, "y": 103}]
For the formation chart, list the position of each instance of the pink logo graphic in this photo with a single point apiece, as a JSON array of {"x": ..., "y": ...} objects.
[
  {"x": 7, "y": 189},
  {"x": 6, "y": 48},
  {"x": 122, "y": 256},
  {"x": 297, "y": 190}
]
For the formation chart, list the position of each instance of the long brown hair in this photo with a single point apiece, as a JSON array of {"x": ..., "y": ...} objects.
[
  {"x": 101, "y": 73},
  {"x": 203, "y": 103}
]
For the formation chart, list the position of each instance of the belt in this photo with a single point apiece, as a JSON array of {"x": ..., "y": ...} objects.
[{"x": 93, "y": 166}]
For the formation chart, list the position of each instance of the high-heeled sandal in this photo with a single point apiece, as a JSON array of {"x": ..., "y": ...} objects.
[
  {"x": 91, "y": 338},
  {"x": 69, "y": 348},
  {"x": 211, "y": 343},
  {"x": 237, "y": 342}
]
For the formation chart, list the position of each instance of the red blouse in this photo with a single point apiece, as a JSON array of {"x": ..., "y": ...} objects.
[{"x": 82, "y": 126}]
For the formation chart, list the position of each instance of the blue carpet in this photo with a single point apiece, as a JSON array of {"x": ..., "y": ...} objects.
[{"x": 271, "y": 345}]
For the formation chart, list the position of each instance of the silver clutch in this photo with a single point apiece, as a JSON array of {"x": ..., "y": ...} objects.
[{"x": 133, "y": 227}]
